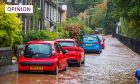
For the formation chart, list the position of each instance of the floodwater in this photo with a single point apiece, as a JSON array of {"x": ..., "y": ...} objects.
[{"x": 115, "y": 65}]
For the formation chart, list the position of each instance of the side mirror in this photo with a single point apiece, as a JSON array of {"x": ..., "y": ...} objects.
[
  {"x": 65, "y": 51},
  {"x": 53, "y": 53},
  {"x": 61, "y": 52}
]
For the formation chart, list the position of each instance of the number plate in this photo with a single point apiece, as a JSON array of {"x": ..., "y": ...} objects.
[
  {"x": 88, "y": 44},
  {"x": 36, "y": 68}
]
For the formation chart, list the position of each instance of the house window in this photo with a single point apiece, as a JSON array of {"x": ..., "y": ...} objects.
[
  {"x": 20, "y": 2},
  {"x": 16, "y": 1},
  {"x": 48, "y": 10},
  {"x": 29, "y": 2},
  {"x": 45, "y": 10},
  {"x": 39, "y": 3},
  {"x": 9, "y": 1}
]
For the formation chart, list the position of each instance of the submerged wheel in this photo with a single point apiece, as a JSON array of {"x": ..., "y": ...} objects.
[
  {"x": 79, "y": 64},
  {"x": 56, "y": 72},
  {"x": 66, "y": 67},
  {"x": 83, "y": 60}
]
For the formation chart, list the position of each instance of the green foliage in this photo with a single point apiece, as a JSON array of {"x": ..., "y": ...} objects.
[
  {"x": 129, "y": 12},
  {"x": 109, "y": 23},
  {"x": 39, "y": 35},
  {"x": 126, "y": 8},
  {"x": 81, "y": 5},
  {"x": 73, "y": 28},
  {"x": 9, "y": 28},
  {"x": 130, "y": 28},
  {"x": 97, "y": 15}
]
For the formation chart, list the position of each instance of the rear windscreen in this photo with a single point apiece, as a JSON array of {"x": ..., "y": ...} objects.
[
  {"x": 38, "y": 51},
  {"x": 66, "y": 43},
  {"x": 90, "y": 39}
]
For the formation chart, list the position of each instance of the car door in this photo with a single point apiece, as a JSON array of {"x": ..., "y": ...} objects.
[
  {"x": 63, "y": 57},
  {"x": 81, "y": 50},
  {"x": 58, "y": 55}
]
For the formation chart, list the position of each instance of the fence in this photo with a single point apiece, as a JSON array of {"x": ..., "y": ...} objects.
[
  {"x": 6, "y": 54},
  {"x": 131, "y": 43}
]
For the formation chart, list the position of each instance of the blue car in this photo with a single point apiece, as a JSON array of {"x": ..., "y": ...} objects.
[{"x": 92, "y": 43}]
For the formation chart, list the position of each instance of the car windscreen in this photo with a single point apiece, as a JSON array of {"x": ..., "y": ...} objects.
[
  {"x": 90, "y": 39},
  {"x": 66, "y": 43},
  {"x": 38, "y": 51}
]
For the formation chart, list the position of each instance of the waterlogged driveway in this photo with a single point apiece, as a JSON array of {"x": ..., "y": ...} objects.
[{"x": 115, "y": 65}]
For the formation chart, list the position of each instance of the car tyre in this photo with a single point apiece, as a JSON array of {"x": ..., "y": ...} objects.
[
  {"x": 79, "y": 64},
  {"x": 66, "y": 67},
  {"x": 56, "y": 70},
  {"x": 83, "y": 60},
  {"x": 19, "y": 71},
  {"x": 98, "y": 52}
]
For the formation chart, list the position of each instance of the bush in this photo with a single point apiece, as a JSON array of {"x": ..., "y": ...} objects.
[
  {"x": 73, "y": 28},
  {"x": 9, "y": 28},
  {"x": 39, "y": 35}
]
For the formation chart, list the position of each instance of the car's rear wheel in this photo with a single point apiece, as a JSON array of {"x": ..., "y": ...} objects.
[
  {"x": 56, "y": 71},
  {"x": 22, "y": 71},
  {"x": 19, "y": 71},
  {"x": 79, "y": 64},
  {"x": 83, "y": 60},
  {"x": 98, "y": 52}
]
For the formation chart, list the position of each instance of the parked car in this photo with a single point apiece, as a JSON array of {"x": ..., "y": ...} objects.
[
  {"x": 102, "y": 39},
  {"x": 75, "y": 52},
  {"x": 91, "y": 43},
  {"x": 43, "y": 56}
]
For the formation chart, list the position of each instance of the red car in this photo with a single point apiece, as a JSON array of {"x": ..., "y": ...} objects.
[
  {"x": 75, "y": 54},
  {"x": 43, "y": 56},
  {"x": 102, "y": 41}
]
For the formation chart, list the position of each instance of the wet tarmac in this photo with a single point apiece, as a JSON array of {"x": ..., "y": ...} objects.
[{"x": 115, "y": 65}]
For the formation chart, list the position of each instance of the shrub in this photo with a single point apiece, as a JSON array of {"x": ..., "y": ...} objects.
[
  {"x": 39, "y": 35},
  {"x": 9, "y": 28}
]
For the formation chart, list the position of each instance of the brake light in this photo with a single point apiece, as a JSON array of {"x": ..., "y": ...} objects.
[
  {"x": 76, "y": 49},
  {"x": 96, "y": 43}
]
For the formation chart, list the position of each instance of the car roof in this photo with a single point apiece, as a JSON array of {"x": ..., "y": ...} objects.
[
  {"x": 90, "y": 36},
  {"x": 65, "y": 40},
  {"x": 40, "y": 42}
]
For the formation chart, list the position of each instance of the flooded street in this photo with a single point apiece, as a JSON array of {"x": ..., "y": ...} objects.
[{"x": 115, "y": 65}]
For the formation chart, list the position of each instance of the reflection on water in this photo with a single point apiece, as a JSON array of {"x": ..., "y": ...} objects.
[
  {"x": 115, "y": 65},
  {"x": 40, "y": 77}
]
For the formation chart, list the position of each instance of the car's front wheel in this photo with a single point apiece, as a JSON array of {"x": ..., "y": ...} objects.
[
  {"x": 56, "y": 71},
  {"x": 66, "y": 67}
]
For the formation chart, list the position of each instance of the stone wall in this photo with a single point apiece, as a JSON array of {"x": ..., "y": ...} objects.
[{"x": 6, "y": 54}]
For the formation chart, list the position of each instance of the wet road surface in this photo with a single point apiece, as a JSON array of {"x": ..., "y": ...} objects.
[{"x": 115, "y": 65}]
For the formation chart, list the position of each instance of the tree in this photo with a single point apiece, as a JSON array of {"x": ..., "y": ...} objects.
[
  {"x": 109, "y": 23},
  {"x": 129, "y": 12},
  {"x": 97, "y": 15},
  {"x": 9, "y": 28},
  {"x": 81, "y": 5},
  {"x": 75, "y": 28}
]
